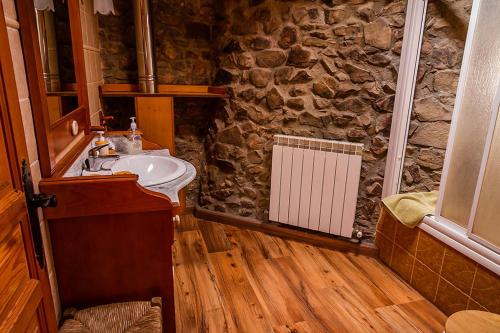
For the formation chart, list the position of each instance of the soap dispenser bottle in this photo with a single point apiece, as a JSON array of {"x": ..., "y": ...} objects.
[
  {"x": 135, "y": 140},
  {"x": 101, "y": 142}
]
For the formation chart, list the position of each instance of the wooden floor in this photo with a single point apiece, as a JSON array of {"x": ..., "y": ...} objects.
[{"x": 234, "y": 280}]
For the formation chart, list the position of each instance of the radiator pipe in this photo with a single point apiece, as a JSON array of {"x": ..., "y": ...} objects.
[{"x": 144, "y": 46}]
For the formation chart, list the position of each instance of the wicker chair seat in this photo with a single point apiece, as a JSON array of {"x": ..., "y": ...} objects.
[{"x": 126, "y": 317}]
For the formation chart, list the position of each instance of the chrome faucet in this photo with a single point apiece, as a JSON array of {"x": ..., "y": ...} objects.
[{"x": 94, "y": 161}]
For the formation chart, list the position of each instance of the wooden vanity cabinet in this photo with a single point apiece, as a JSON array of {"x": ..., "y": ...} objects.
[{"x": 112, "y": 242}]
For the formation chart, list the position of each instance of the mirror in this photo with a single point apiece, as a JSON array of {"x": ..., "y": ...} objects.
[
  {"x": 56, "y": 51},
  {"x": 52, "y": 42}
]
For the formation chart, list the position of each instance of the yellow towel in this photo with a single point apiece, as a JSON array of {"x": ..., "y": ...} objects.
[{"x": 410, "y": 208}]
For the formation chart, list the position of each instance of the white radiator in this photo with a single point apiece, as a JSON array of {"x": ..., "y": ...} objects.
[{"x": 314, "y": 183}]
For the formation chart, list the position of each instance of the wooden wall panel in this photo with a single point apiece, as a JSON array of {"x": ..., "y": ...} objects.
[{"x": 155, "y": 117}]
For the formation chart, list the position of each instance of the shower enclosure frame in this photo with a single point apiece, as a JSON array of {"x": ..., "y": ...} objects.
[
  {"x": 405, "y": 88},
  {"x": 450, "y": 233}
]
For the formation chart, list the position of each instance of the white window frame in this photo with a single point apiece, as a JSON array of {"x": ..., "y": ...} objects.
[
  {"x": 403, "y": 100},
  {"x": 448, "y": 232}
]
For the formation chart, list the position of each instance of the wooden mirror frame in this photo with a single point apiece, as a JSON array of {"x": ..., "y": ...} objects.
[{"x": 54, "y": 139}]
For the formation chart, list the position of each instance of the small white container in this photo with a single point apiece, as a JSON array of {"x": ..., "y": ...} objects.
[{"x": 101, "y": 141}]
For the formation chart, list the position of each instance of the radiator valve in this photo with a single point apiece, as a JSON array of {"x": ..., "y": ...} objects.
[{"x": 358, "y": 234}]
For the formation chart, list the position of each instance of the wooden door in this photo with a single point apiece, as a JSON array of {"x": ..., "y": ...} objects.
[{"x": 25, "y": 297}]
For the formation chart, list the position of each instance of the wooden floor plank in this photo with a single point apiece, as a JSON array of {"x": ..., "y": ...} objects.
[
  {"x": 233, "y": 280},
  {"x": 381, "y": 276},
  {"x": 367, "y": 290},
  {"x": 199, "y": 308},
  {"x": 355, "y": 311},
  {"x": 317, "y": 311},
  {"x": 424, "y": 315},
  {"x": 397, "y": 319},
  {"x": 300, "y": 327},
  {"x": 237, "y": 293},
  {"x": 275, "y": 294},
  {"x": 319, "y": 271},
  {"x": 186, "y": 223},
  {"x": 270, "y": 290},
  {"x": 256, "y": 245},
  {"x": 214, "y": 236},
  {"x": 417, "y": 316},
  {"x": 271, "y": 247}
]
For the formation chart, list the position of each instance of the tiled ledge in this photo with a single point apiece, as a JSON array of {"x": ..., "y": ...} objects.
[{"x": 443, "y": 275}]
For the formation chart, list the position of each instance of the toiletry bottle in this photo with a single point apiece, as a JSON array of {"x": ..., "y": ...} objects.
[
  {"x": 100, "y": 142},
  {"x": 135, "y": 140}
]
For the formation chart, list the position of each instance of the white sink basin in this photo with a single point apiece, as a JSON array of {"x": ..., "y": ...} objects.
[{"x": 152, "y": 170}]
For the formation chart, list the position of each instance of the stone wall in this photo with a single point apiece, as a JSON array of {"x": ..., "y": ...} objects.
[
  {"x": 192, "y": 123},
  {"x": 182, "y": 32},
  {"x": 117, "y": 38},
  {"x": 324, "y": 69},
  {"x": 439, "y": 69},
  {"x": 316, "y": 68}
]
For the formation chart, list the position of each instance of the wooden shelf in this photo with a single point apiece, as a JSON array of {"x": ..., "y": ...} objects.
[
  {"x": 173, "y": 94},
  {"x": 164, "y": 90},
  {"x": 62, "y": 93}
]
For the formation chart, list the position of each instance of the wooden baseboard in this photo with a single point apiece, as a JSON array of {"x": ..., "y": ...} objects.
[
  {"x": 180, "y": 210},
  {"x": 316, "y": 239},
  {"x": 189, "y": 210}
]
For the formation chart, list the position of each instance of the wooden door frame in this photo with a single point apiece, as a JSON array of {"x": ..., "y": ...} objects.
[{"x": 17, "y": 152}]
